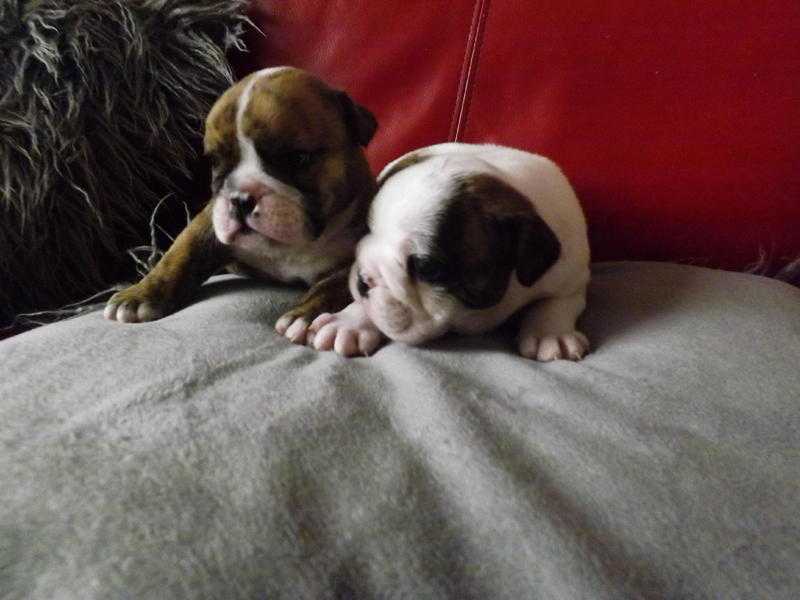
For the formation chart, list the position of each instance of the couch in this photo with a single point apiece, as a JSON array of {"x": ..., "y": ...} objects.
[{"x": 202, "y": 456}]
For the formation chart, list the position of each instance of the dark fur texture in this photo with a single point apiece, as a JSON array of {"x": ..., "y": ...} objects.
[
  {"x": 101, "y": 115},
  {"x": 488, "y": 231}
]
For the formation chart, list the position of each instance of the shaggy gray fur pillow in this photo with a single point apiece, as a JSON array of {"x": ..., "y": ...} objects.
[{"x": 101, "y": 111}]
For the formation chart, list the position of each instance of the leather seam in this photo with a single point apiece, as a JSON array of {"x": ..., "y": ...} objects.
[
  {"x": 469, "y": 69},
  {"x": 457, "y": 106}
]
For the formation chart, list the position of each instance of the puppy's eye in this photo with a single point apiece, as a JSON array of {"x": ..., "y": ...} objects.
[
  {"x": 426, "y": 268},
  {"x": 219, "y": 162},
  {"x": 219, "y": 171},
  {"x": 299, "y": 158}
]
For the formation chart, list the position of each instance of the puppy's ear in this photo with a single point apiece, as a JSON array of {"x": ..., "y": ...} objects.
[
  {"x": 361, "y": 123},
  {"x": 527, "y": 242},
  {"x": 488, "y": 231},
  {"x": 537, "y": 247}
]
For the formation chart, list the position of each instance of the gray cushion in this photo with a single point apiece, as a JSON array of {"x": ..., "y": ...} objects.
[{"x": 203, "y": 456}]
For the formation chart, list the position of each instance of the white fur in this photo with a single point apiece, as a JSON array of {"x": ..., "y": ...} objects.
[
  {"x": 403, "y": 218},
  {"x": 250, "y": 166}
]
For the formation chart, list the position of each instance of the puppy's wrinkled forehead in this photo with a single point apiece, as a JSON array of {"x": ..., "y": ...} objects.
[{"x": 282, "y": 108}]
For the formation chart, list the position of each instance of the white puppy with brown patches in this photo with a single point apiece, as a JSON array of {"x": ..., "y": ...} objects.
[{"x": 461, "y": 238}]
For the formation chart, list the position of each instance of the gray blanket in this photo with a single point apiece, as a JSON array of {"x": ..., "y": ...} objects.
[{"x": 201, "y": 456}]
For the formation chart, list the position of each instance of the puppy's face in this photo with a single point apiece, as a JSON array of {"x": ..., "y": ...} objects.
[
  {"x": 443, "y": 246},
  {"x": 286, "y": 157}
]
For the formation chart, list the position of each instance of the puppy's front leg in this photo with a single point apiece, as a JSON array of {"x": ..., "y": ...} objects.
[
  {"x": 328, "y": 295},
  {"x": 548, "y": 329},
  {"x": 192, "y": 258}
]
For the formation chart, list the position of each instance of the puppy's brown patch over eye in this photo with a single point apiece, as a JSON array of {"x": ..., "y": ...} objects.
[
  {"x": 488, "y": 231},
  {"x": 309, "y": 136},
  {"x": 220, "y": 135},
  {"x": 430, "y": 269}
]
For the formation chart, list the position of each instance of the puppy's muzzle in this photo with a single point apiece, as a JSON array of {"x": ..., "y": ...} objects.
[
  {"x": 389, "y": 314},
  {"x": 395, "y": 315}
]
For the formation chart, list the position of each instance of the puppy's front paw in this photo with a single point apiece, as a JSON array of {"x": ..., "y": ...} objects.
[
  {"x": 348, "y": 332},
  {"x": 136, "y": 304},
  {"x": 293, "y": 325},
  {"x": 567, "y": 346}
]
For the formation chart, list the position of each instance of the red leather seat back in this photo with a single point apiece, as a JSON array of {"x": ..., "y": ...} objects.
[{"x": 678, "y": 123}]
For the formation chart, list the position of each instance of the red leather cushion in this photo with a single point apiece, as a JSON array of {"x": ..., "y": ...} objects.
[
  {"x": 401, "y": 63},
  {"x": 678, "y": 123}
]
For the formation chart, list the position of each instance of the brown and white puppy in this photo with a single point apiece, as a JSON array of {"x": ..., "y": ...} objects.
[
  {"x": 290, "y": 192},
  {"x": 461, "y": 238}
]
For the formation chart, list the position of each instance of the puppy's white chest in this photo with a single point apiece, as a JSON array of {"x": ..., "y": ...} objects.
[{"x": 282, "y": 263}]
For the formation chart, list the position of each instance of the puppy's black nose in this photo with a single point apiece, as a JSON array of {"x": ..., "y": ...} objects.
[
  {"x": 362, "y": 286},
  {"x": 243, "y": 205}
]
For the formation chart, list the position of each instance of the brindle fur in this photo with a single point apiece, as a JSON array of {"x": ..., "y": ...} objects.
[
  {"x": 194, "y": 256},
  {"x": 330, "y": 294}
]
